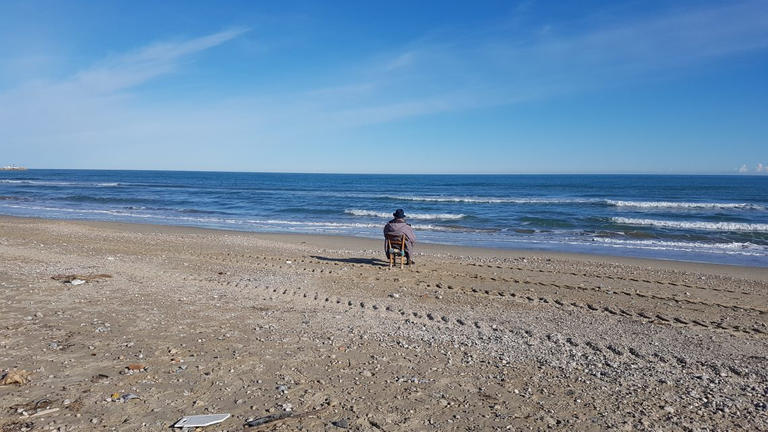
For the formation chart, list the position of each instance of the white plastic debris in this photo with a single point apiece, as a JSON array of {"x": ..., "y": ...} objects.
[
  {"x": 200, "y": 420},
  {"x": 77, "y": 282}
]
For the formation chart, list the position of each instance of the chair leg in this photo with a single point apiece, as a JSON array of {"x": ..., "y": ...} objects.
[
  {"x": 391, "y": 260},
  {"x": 402, "y": 258}
]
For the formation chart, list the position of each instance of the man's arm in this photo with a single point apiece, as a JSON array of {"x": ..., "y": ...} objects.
[{"x": 409, "y": 232}]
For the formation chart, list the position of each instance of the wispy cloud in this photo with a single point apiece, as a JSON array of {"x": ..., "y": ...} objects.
[
  {"x": 492, "y": 68},
  {"x": 134, "y": 68},
  {"x": 90, "y": 100},
  {"x": 603, "y": 54},
  {"x": 400, "y": 61}
]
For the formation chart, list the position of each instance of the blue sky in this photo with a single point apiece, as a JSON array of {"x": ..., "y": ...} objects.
[{"x": 426, "y": 87}]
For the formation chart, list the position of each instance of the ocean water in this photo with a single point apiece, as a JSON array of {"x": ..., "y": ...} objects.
[{"x": 718, "y": 219}]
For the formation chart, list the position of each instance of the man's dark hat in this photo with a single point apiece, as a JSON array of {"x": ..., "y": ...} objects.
[{"x": 399, "y": 213}]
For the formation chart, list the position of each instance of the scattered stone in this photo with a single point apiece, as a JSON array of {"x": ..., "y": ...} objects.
[{"x": 342, "y": 423}]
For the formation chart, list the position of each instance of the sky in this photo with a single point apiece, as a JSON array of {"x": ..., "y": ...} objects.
[{"x": 386, "y": 87}]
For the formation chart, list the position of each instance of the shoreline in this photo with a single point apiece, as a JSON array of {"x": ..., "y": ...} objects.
[
  {"x": 725, "y": 225},
  {"x": 347, "y": 242}
]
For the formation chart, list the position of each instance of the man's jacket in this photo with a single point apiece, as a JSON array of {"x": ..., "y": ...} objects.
[{"x": 399, "y": 227}]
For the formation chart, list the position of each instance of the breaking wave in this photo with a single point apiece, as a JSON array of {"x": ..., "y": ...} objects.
[
  {"x": 608, "y": 202},
  {"x": 739, "y": 248},
  {"x": 707, "y": 226},
  {"x": 27, "y": 182},
  {"x": 426, "y": 216},
  {"x": 684, "y": 205},
  {"x": 493, "y": 200},
  {"x": 140, "y": 213}
]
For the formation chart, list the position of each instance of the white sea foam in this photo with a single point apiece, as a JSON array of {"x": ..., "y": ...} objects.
[
  {"x": 427, "y": 227},
  {"x": 615, "y": 203},
  {"x": 81, "y": 211},
  {"x": 742, "y": 248},
  {"x": 684, "y": 205},
  {"x": 38, "y": 182},
  {"x": 494, "y": 200},
  {"x": 55, "y": 183},
  {"x": 694, "y": 225},
  {"x": 264, "y": 223},
  {"x": 386, "y": 215}
]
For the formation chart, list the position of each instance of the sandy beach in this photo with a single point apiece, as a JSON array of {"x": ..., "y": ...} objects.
[{"x": 318, "y": 332}]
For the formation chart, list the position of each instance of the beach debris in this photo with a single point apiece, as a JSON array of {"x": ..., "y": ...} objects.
[
  {"x": 79, "y": 279},
  {"x": 125, "y": 397},
  {"x": 288, "y": 413},
  {"x": 15, "y": 376},
  {"x": 43, "y": 412},
  {"x": 200, "y": 420},
  {"x": 35, "y": 408},
  {"x": 268, "y": 419},
  {"x": 133, "y": 368},
  {"x": 99, "y": 377}
]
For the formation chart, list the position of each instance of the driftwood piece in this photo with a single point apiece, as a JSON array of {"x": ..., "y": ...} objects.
[{"x": 279, "y": 417}]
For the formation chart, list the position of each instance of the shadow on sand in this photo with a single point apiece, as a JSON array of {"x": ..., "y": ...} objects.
[{"x": 369, "y": 261}]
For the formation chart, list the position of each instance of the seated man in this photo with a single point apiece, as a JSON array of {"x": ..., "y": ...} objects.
[{"x": 398, "y": 226}]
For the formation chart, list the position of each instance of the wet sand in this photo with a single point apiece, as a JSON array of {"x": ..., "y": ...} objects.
[{"x": 319, "y": 327}]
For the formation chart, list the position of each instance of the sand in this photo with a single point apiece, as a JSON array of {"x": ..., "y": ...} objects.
[{"x": 196, "y": 321}]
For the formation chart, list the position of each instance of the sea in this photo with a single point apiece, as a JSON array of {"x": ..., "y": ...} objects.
[{"x": 714, "y": 219}]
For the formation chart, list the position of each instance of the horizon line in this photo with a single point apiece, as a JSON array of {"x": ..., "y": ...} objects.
[{"x": 655, "y": 173}]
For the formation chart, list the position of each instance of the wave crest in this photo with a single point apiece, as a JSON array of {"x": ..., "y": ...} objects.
[
  {"x": 493, "y": 200},
  {"x": 695, "y": 225},
  {"x": 738, "y": 248},
  {"x": 425, "y": 216},
  {"x": 684, "y": 205}
]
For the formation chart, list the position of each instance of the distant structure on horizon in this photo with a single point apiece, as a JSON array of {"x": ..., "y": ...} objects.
[{"x": 13, "y": 168}]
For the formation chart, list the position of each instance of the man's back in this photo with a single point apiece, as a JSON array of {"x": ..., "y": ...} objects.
[{"x": 400, "y": 227}]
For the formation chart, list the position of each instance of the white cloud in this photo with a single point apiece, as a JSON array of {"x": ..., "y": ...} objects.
[
  {"x": 759, "y": 168},
  {"x": 94, "y": 100},
  {"x": 149, "y": 62},
  {"x": 401, "y": 61}
]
